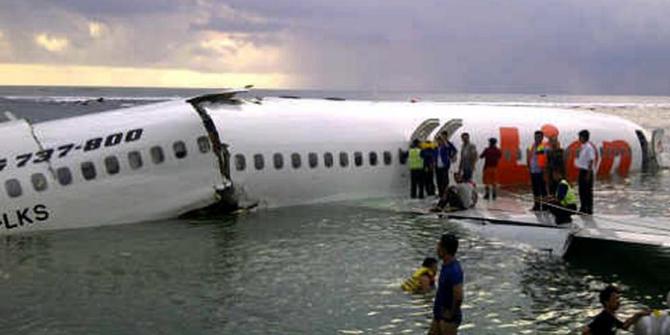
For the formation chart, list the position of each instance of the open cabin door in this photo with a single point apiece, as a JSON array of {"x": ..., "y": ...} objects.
[
  {"x": 422, "y": 132},
  {"x": 657, "y": 146},
  {"x": 450, "y": 127},
  {"x": 651, "y": 151}
]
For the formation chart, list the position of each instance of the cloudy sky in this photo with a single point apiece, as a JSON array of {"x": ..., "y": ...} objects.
[{"x": 458, "y": 46}]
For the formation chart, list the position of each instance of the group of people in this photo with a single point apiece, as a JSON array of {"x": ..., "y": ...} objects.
[
  {"x": 552, "y": 192},
  {"x": 447, "y": 314}
]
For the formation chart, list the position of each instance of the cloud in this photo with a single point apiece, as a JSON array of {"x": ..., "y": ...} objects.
[
  {"x": 555, "y": 46},
  {"x": 52, "y": 43}
]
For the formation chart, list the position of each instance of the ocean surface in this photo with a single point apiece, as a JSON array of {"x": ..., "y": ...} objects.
[{"x": 326, "y": 269}]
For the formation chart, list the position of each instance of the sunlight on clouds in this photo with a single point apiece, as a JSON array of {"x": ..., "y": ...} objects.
[
  {"x": 237, "y": 53},
  {"x": 95, "y": 29},
  {"x": 53, "y": 44},
  {"x": 30, "y": 74}
]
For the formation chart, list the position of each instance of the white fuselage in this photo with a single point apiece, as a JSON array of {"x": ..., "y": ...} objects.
[{"x": 304, "y": 130}]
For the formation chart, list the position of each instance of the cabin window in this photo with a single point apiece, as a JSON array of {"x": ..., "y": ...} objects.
[
  {"x": 388, "y": 158},
  {"x": 328, "y": 159},
  {"x": 373, "y": 158},
  {"x": 295, "y": 160},
  {"x": 259, "y": 163},
  {"x": 13, "y": 188},
  {"x": 344, "y": 159},
  {"x": 358, "y": 158},
  {"x": 39, "y": 182},
  {"x": 179, "y": 149},
  {"x": 88, "y": 170},
  {"x": 203, "y": 144},
  {"x": 64, "y": 176},
  {"x": 112, "y": 165},
  {"x": 157, "y": 155},
  {"x": 402, "y": 156},
  {"x": 313, "y": 159},
  {"x": 240, "y": 162},
  {"x": 278, "y": 160},
  {"x": 135, "y": 160}
]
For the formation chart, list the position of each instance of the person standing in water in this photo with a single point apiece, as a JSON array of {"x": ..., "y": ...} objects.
[{"x": 447, "y": 315}]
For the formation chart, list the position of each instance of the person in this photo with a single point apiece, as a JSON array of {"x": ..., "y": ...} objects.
[
  {"x": 447, "y": 315},
  {"x": 536, "y": 160},
  {"x": 555, "y": 163},
  {"x": 468, "y": 158},
  {"x": 564, "y": 201},
  {"x": 491, "y": 157},
  {"x": 415, "y": 169},
  {"x": 585, "y": 163},
  {"x": 606, "y": 322},
  {"x": 428, "y": 154},
  {"x": 446, "y": 152},
  {"x": 462, "y": 195},
  {"x": 423, "y": 279}
]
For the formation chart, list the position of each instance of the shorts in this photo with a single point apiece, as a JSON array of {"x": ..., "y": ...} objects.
[{"x": 490, "y": 176}]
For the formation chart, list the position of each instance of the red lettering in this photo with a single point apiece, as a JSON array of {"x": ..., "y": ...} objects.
[
  {"x": 610, "y": 151},
  {"x": 509, "y": 172}
]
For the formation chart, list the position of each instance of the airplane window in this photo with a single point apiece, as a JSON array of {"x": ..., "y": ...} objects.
[
  {"x": 313, "y": 159},
  {"x": 295, "y": 160},
  {"x": 112, "y": 165},
  {"x": 88, "y": 170},
  {"x": 259, "y": 163},
  {"x": 179, "y": 149},
  {"x": 344, "y": 159},
  {"x": 388, "y": 159},
  {"x": 358, "y": 158},
  {"x": 39, "y": 182},
  {"x": 328, "y": 159},
  {"x": 157, "y": 155},
  {"x": 135, "y": 160},
  {"x": 278, "y": 160},
  {"x": 240, "y": 162},
  {"x": 203, "y": 144},
  {"x": 64, "y": 176},
  {"x": 402, "y": 156},
  {"x": 13, "y": 188},
  {"x": 373, "y": 158}
]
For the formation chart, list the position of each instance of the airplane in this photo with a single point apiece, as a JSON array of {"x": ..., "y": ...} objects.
[{"x": 224, "y": 152}]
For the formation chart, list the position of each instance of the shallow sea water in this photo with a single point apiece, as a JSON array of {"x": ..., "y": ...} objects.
[{"x": 326, "y": 269}]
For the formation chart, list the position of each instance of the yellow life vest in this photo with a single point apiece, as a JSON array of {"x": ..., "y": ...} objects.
[
  {"x": 415, "y": 160},
  {"x": 570, "y": 197},
  {"x": 413, "y": 284}
]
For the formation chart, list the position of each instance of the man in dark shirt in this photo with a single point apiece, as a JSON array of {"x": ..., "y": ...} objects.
[
  {"x": 606, "y": 323},
  {"x": 491, "y": 157},
  {"x": 447, "y": 314}
]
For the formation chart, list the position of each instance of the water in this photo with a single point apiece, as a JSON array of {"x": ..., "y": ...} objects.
[{"x": 323, "y": 269}]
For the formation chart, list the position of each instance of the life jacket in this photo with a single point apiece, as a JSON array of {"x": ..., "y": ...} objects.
[
  {"x": 540, "y": 152},
  {"x": 414, "y": 283},
  {"x": 415, "y": 160},
  {"x": 570, "y": 197}
]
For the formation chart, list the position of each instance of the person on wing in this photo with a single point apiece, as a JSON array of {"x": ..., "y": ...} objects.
[
  {"x": 606, "y": 322},
  {"x": 585, "y": 162},
  {"x": 423, "y": 279},
  {"x": 536, "y": 160},
  {"x": 564, "y": 201},
  {"x": 469, "y": 156},
  {"x": 447, "y": 314},
  {"x": 491, "y": 157},
  {"x": 428, "y": 154},
  {"x": 416, "y": 169},
  {"x": 446, "y": 152},
  {"x": 460, "y": 196},
  {"x": 555, "y": 163}
]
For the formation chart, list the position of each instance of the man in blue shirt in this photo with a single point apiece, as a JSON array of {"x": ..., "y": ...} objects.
[
  {"x": 446, "y": 152},
  {"x": 447, "y": 314}
]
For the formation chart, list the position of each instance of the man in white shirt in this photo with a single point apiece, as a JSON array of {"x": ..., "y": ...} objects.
[{"x": 585, "y": 162}]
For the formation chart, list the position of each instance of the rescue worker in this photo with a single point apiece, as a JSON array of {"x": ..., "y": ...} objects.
[
  {"x": 416, "y": 169},
  {"x": 536, "y": 160},
  {"x": 423, "y": 279},
  {"x": 491, "y": 157},
  {"x": 446, "y": 152},
  {"x": 564, "y": 203}
]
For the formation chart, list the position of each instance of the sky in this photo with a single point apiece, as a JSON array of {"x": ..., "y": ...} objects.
[{"x": 452, "y": 46}]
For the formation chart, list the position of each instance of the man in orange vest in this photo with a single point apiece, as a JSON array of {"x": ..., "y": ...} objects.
[{"x": 536, "y": 160}]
